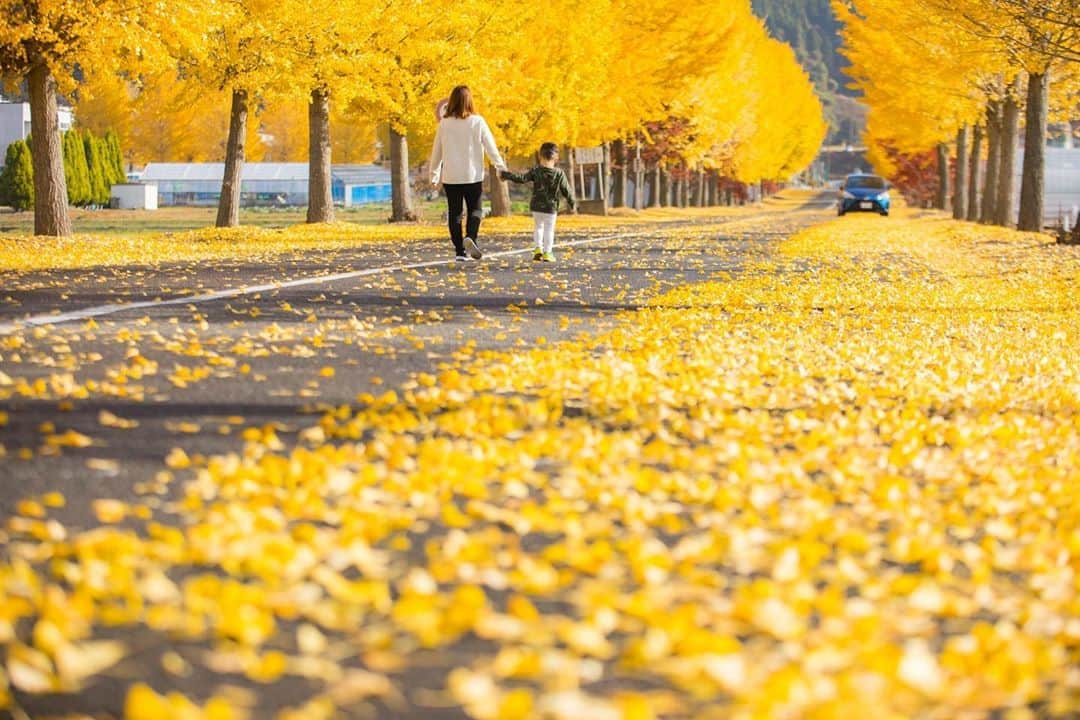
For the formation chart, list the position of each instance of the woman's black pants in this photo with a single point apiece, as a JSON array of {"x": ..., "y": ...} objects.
[{"x": 467, "y": 194}]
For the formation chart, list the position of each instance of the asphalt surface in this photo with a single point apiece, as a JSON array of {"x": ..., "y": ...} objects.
[{"x": 194, "y": 375}]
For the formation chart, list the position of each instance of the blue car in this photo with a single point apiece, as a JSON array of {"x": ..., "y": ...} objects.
[{"x": 864, "y": 193}]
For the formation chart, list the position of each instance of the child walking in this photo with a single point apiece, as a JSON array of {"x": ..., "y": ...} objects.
[{"x": 548, "y": 183}]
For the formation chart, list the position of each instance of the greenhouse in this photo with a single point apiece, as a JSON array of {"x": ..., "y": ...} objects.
[{"x": 264, "y": 184}]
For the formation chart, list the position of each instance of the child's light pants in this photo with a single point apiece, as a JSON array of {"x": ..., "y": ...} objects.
[{"x": 544, "y": 230}]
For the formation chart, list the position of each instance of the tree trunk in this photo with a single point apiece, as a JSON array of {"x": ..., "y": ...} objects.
[
  {"x": 320, "y": 188},
  {"x": 1033, "y": 183},
  {"x": 663, "y": 186},
  {"x": 993, "y": 162},
  {"x": 618, "y": 160},
  {"x": 1010, "y": 137},
  {"x": 401, "y": 199},
  {"x": 639, "y": 177},
  {"x": 654, "y": 191},
  {"x": 701, "y": 188},
  {"x": 603, "y": 175},
  {"x": 499, "y": 193},
  {"x": 571, "y": 174},
  {"x": 228, "y": 214},
  {"x": 960, "y": 184},
  {"x": 50, "y": 187},
  {"x": 941, "y": 200},
  {"x": 973, "y": 174}
]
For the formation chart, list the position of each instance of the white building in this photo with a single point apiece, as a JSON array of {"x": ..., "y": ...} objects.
[
  {"x": 15, "y": 122},
  {"x": 267, "y": 184},
  {"x": 133, "y": 196}
]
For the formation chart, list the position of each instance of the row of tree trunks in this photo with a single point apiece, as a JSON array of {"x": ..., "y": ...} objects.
[
  {"x": 50, "y": 187},
  {"x": 622, "y": 163},
  {"x": 997, "y": 201},
  {"x": 699, "y": 188}
]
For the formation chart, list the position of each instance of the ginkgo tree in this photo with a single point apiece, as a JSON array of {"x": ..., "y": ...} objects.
[
  {"x": 336, "y": 50},
  {"x": 423, "y": 54},
  {"x": 934, "y": 70},
  {"x": 746, "y": 108},
  {"x": 1040, "y": 38},
  {"x": 230, "y": 46},
  {"x": 44, "y": 44},
  {"x": 913, "y": 106}
]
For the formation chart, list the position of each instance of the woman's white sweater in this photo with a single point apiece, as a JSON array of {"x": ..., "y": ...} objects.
[{"x": 457, "y": 156}]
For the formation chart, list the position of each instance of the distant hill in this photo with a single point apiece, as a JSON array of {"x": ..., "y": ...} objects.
[{"x": 810, "y": 27}]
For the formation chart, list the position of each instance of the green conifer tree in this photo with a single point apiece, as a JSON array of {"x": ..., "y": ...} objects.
[
  {"x": 99, "y": 186},
  {"x": 76, "y": 172},
  {"x": 69, "y": 169},
  {"x": 17, "y": 179},
  {"x": 115, "y": 158}
]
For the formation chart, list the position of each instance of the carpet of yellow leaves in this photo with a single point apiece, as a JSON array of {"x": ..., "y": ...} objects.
[
  {"x": 847, "y": 479},
  {"x": 21, "y": 253}
]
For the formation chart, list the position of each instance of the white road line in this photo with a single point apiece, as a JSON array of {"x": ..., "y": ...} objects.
[{"x": 100, "y": 310}]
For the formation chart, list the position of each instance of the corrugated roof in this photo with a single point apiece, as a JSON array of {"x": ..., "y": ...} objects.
[
  {"x": 216, "y": 171},
  {"x": 361, "y": 174},
  {"x": 347, "y": 174}
]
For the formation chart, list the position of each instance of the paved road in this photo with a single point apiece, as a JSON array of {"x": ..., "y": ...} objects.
[{"x": 193, "y": 375}]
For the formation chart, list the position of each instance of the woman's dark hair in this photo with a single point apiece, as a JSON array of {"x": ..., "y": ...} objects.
[
  {"x": 460, "y": 105},
  {"x": 549, "y": 151}
]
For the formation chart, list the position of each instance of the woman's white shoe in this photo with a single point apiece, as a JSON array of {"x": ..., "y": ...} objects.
[{"x": 472, "y": 249}]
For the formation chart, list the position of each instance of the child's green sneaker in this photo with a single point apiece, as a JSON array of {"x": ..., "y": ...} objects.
[
  {"x": 549, "y": 257},
  {"x": 538, "y": 254}
]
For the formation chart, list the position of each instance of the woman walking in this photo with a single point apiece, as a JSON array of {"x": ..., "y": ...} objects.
[{"x": 457, "y": 161}]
